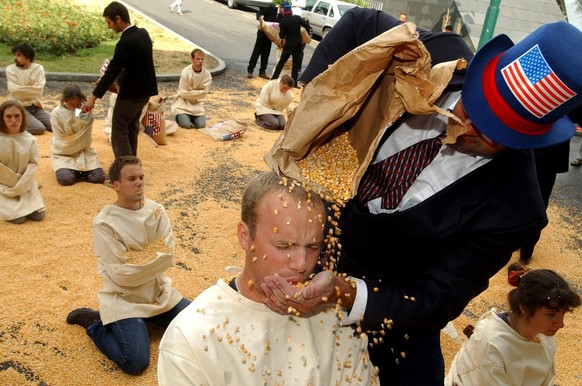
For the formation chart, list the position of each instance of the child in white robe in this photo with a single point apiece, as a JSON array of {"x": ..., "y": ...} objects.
[{"x": 72, "y": 156}]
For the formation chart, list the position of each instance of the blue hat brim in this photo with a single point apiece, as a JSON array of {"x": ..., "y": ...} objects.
[{"x": 487, "y": 121}]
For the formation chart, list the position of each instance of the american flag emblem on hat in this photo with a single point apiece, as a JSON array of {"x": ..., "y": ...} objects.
[{"x": 534, "y": 84}]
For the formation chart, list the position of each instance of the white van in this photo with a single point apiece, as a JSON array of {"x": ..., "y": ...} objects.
[{"x": 323, "y": 15}]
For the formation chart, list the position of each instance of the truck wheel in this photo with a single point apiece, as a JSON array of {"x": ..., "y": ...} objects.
[{"x": 231, "y": 3}]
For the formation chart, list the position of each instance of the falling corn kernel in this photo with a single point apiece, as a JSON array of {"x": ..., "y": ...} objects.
[
  {"x": 324, "y": 298},
  {"x": 254, "y": 258},
  {"x": 376, "y": 289},
  {"x": 253, "y": 248},
  {"x": 275, "y": 229},
  {"x": 413, "y": 298},
  {"x": 276, "y": 210}
]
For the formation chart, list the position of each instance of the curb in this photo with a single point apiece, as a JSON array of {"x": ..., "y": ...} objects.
[{"x": 73, "y": 77}]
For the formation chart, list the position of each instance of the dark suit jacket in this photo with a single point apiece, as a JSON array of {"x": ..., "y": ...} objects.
[
  {"x": 289, "y": 29},
  {"x": 134, "y": 56},
  {"x": 441, "y": 252},
  {"x": 359, "y": 25}
]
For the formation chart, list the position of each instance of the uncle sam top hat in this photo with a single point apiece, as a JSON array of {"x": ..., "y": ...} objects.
[{"x": 518, "y": 95}]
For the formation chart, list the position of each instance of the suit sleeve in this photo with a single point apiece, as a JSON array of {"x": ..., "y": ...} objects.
[
  {"x": 424, "y": 265},
  {"x": 121, "y": 56}
]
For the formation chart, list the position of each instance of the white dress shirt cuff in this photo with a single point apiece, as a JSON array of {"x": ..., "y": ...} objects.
[{"x": 359, "y": 307}]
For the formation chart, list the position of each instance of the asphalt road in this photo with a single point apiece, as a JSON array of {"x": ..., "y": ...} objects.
[{"x": 228, "y": 34}]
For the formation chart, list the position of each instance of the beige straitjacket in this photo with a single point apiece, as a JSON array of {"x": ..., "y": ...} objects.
[
  {"x": 224, "y": 338},
  {"x": 272, "y": 100},
  {"x": 133, "y": 290},
  {"x": 192, "y": 90},
  {"x": 496, "y": 354},
  {"x": 26, "y": 85},
  {"x": 19, "y": 195},
  {"x": 71, "y": 143}
]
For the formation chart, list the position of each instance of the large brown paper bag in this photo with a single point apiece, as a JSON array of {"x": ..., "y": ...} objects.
[{"x": 361, "y": 94}]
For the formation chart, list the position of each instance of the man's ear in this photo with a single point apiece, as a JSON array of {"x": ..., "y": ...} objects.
[{"x": 244, "y": 237}]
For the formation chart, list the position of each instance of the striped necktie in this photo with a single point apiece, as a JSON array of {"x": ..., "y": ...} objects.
[{"x": 391, "y": 178}]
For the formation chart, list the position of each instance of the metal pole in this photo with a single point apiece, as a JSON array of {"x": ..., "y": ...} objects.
[{"x": 490, "y": 21}]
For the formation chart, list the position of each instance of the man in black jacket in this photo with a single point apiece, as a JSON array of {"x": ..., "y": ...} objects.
[
  {"x": 263, "y": 44},
  {"x": 290, "y": 33},
  {"x": 133, "y": 65},
  {"x": 415, "y": 263}
]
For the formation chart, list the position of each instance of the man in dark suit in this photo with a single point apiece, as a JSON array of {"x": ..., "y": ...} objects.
[
  {"x": 415, "y": 263},
  {"x": 290, "y": 33},
  {"x": 133, "y": 65}
]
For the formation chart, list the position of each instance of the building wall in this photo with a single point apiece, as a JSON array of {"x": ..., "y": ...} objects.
[{"x": 517, "y": 18}]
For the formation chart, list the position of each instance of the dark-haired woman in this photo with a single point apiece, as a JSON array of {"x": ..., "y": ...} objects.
[
  {"x": 72, "y": 156},
  {"x": 517, "y": 347}
]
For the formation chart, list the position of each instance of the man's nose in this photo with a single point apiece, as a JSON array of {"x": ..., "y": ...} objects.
[{"x": 298, "y": 259}]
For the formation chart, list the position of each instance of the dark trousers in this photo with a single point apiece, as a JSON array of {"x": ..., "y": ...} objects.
[
  {"x": 546, "y": 181},
  {"x": 297, "y": 55},
  {"x": 127, "y": 341},
  {"x": 125, "y": 126},
  {"x": 409, "y": 359},
  {"x": 262, "y": 49}
]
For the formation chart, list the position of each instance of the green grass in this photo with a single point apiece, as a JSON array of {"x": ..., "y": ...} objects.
[
  {"x": 89, "y": 61},
  {"x": 171, "y": 54},
  {"x": 86, "y": 61}
]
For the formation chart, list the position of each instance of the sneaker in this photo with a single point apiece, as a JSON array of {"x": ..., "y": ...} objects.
[
  {"x": 84, "y": 317},
  {"x": 579, "y": 131},
  {"x": 250, "y": 75},
  {"x": 171, "y": 9},
  {"x": 264, "y": 76}
]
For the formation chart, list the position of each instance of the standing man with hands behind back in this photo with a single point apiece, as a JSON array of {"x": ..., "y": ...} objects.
[
  {"x": 133, "y": 59},
  {"x": 263, "y": 44},
  {"x": 290, "y": 34}
]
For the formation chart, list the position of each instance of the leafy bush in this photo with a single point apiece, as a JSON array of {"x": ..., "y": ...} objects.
[{"x": 52, "y": 26}]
